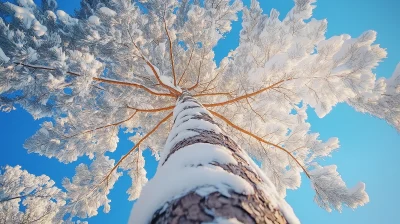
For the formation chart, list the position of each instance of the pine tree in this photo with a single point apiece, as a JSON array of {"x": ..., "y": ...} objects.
[{"x": 147, "y": 67}]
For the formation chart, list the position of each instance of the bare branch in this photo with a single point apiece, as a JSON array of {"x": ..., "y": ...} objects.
[
  {"x": 197, "y": 82},
  {"x": 246, "y": 95},
  {"x": 212, "y": 94},
  {"x": 172, "y": 90},
  {"x": 171, "y": 56},
  {"x": 152, "y": 110},
  {"x": 105, "y": 126},
  {"x": 109, "y": 81},
  {"x": 136, "y": 145},
  {"x": 125, "y": 120},
  {"x": 187, "y": 65},
  {"x": 259, "y": 139},
  {"x": 211, "y": 81},
  {"x": 251, "y": 107},
  {"x": 198, "y": 75}
]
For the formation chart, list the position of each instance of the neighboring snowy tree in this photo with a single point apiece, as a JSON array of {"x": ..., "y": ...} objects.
[
  {"x": 37, "y": 195},
  {"x": 124, "y": 64}
]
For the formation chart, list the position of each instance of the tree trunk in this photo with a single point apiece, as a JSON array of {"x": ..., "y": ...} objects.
[{"x": 214, "y": 200}]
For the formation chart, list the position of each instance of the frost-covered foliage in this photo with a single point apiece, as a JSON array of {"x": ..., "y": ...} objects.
[
  {"x": 39, "y": 199},
  {"x": 120, "y": 64}
]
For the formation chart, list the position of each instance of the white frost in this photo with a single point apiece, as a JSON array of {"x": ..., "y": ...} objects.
[{"x": 94, "y": 20}]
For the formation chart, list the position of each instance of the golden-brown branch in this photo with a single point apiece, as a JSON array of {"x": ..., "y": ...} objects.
[
  {"x": 172, "y": 90},
  {"x": 245, "y": 96},
  {"x": 136, "y": 145},
  {"x": 187, "y": 65},
  {"x": 105, "y": 126},
  {"x": 259, "y": 139},
  {"x": 251, "y": 107},
  {"x": 197, "y": 83},
  {"x": 152, "y": 110},
  {"x": 211, "y": 81},
  {"x": 212, "y": 94},
  {"x": 255, "y": 110},
  {"x": 198, "y": 74},
  {"x": 171, "y": 55},
  {"x": 132, "y": 84},
  {"x": 115, "y": 82}
]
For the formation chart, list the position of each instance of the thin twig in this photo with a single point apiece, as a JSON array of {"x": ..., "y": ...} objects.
[
  {"x": 152, "y": 110},
  {"x": 172, "y": 90},
  {"x": 245, "y": 96},
  {"x": 105, "y": 126},
  {"x": 259, "y": 139},
  {"x": 115, "y": 82},
  {"x": 171, "y": 56},
  {"x": 187, "y": 65},
  {"x": 212, "y": 94},
  {"x": 134, "y": 147}
]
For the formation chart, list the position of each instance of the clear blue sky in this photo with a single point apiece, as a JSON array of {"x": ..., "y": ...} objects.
[{"x": 370, "y": 149}]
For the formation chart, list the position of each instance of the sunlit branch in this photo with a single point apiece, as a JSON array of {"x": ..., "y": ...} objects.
[
  {"x": 245, "y": 96},
  {"x": 132, "y": 84},
  {"x": 171, "y": 55},
  {"x": 197, "y": 83},
  {"x": 172, "y": 90},
  {"x": 211, "y": 81},
  {"x": 198, "y": 75},
  {"x": 187, "y": 65},
  {"x": 152, "y": 110},
  {"x": 109, "y": 81},
  {"x": 105, "y": 126},
  {"x": 136, "y": 145},
  {"x": 212, "y": 94},
  {"x": 125, "y": 120},
  {"x": 251, "y": 107},
  {"x": 259, "y": 139},
  {"x": 247, "y": 100}
]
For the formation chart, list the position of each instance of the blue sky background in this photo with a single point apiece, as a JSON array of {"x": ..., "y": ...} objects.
[{"x": 369, "y": 152}]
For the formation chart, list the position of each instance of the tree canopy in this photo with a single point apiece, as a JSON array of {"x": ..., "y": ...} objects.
[{"x": 121, "y": 64}]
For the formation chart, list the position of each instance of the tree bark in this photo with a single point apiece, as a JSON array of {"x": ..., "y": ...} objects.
[{"x": 192, "y": 207}]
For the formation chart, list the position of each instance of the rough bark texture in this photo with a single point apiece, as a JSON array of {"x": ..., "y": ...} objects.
[{"x": 195, "y": 208}]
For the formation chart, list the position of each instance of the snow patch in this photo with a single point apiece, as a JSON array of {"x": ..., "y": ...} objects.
[
  {"x": 66, "y": 19},
  {"x": 171, "y": 143},
  {"x": 51, "y": 15},
  {"x": 94, "y": 20},
  {"x": 26, "y": 17},
  {"x": 39, "y": 29},
  {"x": 169, "y": 82},
  {"x": 26, "y": 3}
]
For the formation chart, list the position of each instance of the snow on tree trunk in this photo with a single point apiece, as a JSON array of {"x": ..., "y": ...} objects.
[{"x": 204, "y": 176}]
